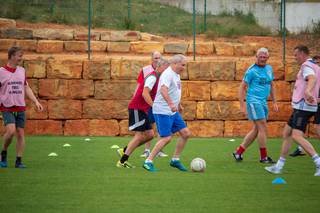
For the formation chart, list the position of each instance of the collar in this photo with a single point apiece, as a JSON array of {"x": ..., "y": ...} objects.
[{"x": 10, "y": 69}]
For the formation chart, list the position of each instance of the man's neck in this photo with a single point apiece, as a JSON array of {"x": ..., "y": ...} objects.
[{"x": 12, "y": 65}]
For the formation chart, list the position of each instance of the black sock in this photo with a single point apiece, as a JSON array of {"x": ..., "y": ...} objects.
[
  {"x": 124, "y": 158},
  {"x": 125, "y": 148},
  {"x": 18, "y": 160},
  {"x": 3, "y": 155}
]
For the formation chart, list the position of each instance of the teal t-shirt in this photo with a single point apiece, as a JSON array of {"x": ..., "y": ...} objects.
[{"x": 259, "y": 83}]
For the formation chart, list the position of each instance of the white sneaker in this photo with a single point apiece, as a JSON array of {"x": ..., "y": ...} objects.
[
  {"x": 317, "y": 172},
  {"x": 145, "y": 154},
  {"x": 273, "y": 169},
  {"x": 161, "y": 154}
]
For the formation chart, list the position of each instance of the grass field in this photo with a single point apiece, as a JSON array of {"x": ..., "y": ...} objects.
[{"x": 83, "y": 178}]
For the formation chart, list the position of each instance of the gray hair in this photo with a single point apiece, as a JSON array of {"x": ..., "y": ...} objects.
[
  {"x": 177, "y": 59},
  {"x": 162, "y": 62},
  {"x": 155, "y": 53},
  {"x": 263, "y": 50}
]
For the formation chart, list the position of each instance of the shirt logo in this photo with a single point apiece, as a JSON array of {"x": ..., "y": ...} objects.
[{"x": 179, "y": 85}]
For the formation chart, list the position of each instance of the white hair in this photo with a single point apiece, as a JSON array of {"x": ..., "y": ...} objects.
[
  {"x": 155, "y": 53},
  {"x": 162, "y": 62},
  {"x": 177, "y": 59},
  {"x": 263, "y": 50}
]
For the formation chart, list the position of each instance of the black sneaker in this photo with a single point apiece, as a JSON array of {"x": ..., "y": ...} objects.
[
  {"x": 297, "y": 152},
  {"x": 237, "y": 157},
  {"x": 267, "y": 160}
]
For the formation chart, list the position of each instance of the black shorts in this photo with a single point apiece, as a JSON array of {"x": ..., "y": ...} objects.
[
  {"x": 138, "y": 120},
  {"x": 317, "y": 116},
  {"x": 299, "y": 119}
]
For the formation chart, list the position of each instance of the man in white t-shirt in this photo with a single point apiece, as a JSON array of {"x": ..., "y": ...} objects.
[{"x": 166, "y": 110}]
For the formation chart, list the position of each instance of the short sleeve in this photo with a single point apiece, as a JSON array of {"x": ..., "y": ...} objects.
[
  {"x": 306, "y": 71},
  {"x": 150, "y": 81}
]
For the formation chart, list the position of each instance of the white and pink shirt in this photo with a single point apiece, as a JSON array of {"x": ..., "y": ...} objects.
[
  {"x": 298, "y": 98},
  {"x": 12, "y": 89}
]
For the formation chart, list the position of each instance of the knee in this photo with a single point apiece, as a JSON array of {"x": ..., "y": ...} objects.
[
  {"x": 150, "y": 135},
  {"x": 10, "y": 132},
  {"x": 186, "y": 134},
  {"x": 296, "y": 135}
]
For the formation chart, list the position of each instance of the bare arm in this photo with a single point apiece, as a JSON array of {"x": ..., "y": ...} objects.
[
  {"x": 146, "y": 96},
  {"x": 310, "y": 85},
  {"x": 242, "y": 93},
  {"x": 32, "y": 97},
  {"x": 165, "y": 95},
  {"x": 273, "y": 98}
]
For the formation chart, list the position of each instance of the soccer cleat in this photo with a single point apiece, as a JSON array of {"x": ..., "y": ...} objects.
[
  {"x": 177, "y": 164},
  {"x": 273, "y": 169},
  {"x": 3, "y": 164},
  {"x": 161, "y": 154},
  {"x": 297, "y": 152},
  {"x": 20, "y": 166},
  {"x": 237, "y": 157},
  {"x": 317, "y": 172},
  {"x": 120, "y": 152},
  {"x": 126, "y": 164},
  {"x": 149, "y": 167},
  {"x": 267, "y": 160},
  {"x": 145, "y": 154}
]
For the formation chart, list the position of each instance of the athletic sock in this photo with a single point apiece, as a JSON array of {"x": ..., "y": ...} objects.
[
  {"x": 125, "y": 148},
  {"x": 18, "y": 160},
  {"x": 124, "y": 158},
  {"x": 263, "y": 153},
  {"x": 148, "y": 161},
  {"x": 280, "y": 162},
  {"x": 175, "y": 159},
  {"x": 240, "y": 150},
  {"x": 4, "y": 155},
  {"x": 300, "y": 149},
  {"x": 316, "y": 160}
]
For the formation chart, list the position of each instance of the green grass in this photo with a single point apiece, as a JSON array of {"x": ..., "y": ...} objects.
[
  {"x": 147, "y": 16},
  {"x": 83, "y": 178}
]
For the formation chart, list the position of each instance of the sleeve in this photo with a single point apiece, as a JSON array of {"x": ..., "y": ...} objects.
[
  {"x": 248, "y": 76},
  {"x": 272, "y": 73},
  {"x": 306, "y": 71},
  {"x": 166, "y": 79},
  {"x": 150, "y": 81}
]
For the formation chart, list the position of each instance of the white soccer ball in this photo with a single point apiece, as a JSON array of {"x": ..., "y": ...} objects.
[{"x": 198, "y": 165}]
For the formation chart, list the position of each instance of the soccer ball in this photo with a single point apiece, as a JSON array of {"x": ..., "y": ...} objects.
[{"x": 198, "y": 165}]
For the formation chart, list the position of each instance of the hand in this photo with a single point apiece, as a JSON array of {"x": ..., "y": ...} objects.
[
  {"x": 275, "y": 107},
  {"x": 181, "y": 108},
  {"x": 173, "y": 107},
  {"x": 309, "y": 97},
  {"x": 39, "y": 106}
]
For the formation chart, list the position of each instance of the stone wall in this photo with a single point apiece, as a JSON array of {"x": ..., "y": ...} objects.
[{"x": 90, "y": 97}]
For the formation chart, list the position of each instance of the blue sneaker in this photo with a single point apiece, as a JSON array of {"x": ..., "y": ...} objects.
[
  {"x": 149, "y": 167},
  {"x": 20, "y": 166},
  {"x": 177, "y": 164},
  {"x": 3, "y": 164}
]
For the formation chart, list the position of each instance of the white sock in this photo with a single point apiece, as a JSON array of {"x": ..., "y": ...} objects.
[
  {"x": 147, "y": 150},
  {"x": 300, "y": 149},
  {"x": 280, "y": 162},
  {"x": 316, "y": 160},
  {"x": 174, "y": 159},
  {"x": 148, "y": 161}
]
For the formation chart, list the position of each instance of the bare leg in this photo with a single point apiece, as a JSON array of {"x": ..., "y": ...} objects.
[
  {"x": 250, "y": 137},
  {"x": 20, "y": 142},
  {"x": 297, "y": 135},
  {"x": 8, "y": 136},
  {"x": 287, "y": 141},
  {"x": 139, "y": 139},
  {"x": 262, "y": 132},
  {"x": 159, "y": 146},
  {"x": 184, "y": 135}
]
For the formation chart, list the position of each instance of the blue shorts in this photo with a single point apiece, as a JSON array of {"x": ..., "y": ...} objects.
[
  {"x": 167, "y": 125},
  {"x": 151, "y": 116},
  {"x": 257, "y": 111},
  {"x": 17, "y": 118}
]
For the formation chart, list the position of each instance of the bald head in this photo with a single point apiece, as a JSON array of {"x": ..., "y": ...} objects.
[{"x": 155, "y": 57}]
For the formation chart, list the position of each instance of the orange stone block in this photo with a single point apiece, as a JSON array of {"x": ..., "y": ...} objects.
[
  {"x": 75, "y": 46},
  {"x": 225, "y": 90},
  {"x": 27, "y": 45},
  {"x": 34, "y": 85},
  {"x": 237, "y": 128},
  {"x": 127, "y": 69},
  {"x": 206, "y": 128},
  {"x": 35, "y": 68},
  {"x": 314, "y": 130},
  {"x": 44, "y": 127},
  {"x": 48, "y": 46},
  {"x": 53, "y": 88},
  {"x": 196, "y": 90},
  {"x": 146, "y": 46},
  {"x": 203, "y": 48},
  {"x": 80, "y": 89},
  {"x": 189, "y": 110},
  {"x": 64, "y": 109},
  {"x": 5, "y": 44},
  {"x": 275, "y": 129},
  {"x": 76, "y": 127},
  {"x": 104, "y": 127},
  {"x": 64, "y": 68},
  {"x": 224, "y": 48},
  {"x": 105, "y": 109},
  {"x": 33, "y": 113},
  {"x": 124, "y": 128},
  {"x": 115, "y": 90},
  {"x": 94, "y": 69},
  {"x": 219, "y": 110},
  {"x": 291, "y": 72},
  {"x": 121, "y": 47},
  {"x": 284, "y": 113},
  {"x": 99, "y": 46},
  {"x": 282, "y": 90}
]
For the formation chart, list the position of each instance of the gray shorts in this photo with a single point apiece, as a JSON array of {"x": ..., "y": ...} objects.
[{"x": 18, "y": 118}]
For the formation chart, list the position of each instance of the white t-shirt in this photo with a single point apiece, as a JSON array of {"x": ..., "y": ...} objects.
[
  {"x": 150, "y": 81},
  {"x": 170, "y": 79}
]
